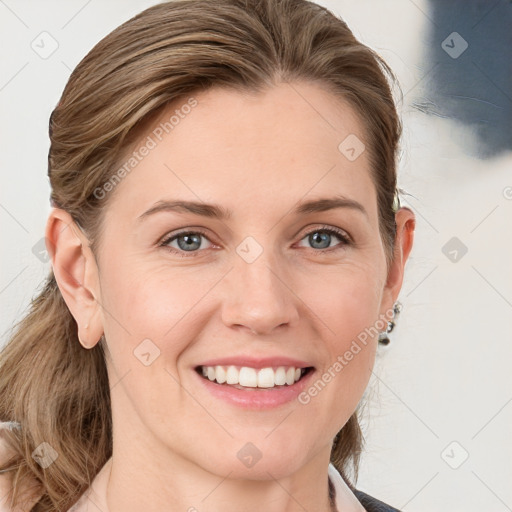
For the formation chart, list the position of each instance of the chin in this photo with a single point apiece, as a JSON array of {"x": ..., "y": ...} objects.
[{"x": 249, "y": 462}]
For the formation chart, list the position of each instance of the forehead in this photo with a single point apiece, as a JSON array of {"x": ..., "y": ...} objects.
[{"x": 252, "y": 150}]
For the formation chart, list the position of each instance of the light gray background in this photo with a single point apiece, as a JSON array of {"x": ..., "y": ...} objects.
[{"x": 441, "y": 390}]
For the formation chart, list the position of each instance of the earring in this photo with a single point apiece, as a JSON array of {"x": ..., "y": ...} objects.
[{"x": 383, "y": 336}]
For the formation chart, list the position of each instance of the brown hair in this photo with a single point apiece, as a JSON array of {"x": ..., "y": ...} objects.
[{"x": 57, "y": 390}]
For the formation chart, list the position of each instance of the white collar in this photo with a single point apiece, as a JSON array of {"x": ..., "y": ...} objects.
[{"x": 344, "y": 498}]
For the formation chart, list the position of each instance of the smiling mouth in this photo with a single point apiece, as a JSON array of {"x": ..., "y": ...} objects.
[{"x": 244, "y": 377}]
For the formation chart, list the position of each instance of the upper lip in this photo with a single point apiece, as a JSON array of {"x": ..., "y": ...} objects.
[{"x": 256, "y": 362}]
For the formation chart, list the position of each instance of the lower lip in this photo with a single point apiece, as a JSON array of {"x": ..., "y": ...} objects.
[{"x": 256, "y": 398}]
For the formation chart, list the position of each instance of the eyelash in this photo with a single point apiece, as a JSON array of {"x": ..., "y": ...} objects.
[{"x": 324, "y": 229}]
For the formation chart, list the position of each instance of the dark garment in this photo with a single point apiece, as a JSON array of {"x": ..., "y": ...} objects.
[{"x": 371, "y": 504}]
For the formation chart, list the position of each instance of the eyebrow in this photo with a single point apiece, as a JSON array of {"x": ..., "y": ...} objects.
[{"x": 219, "y": 212}]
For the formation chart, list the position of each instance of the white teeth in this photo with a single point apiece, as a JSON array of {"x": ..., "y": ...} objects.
[
  {"x": 280, "y": 377},
  {"x": 220, "y": 374},
  {"x": 232, "y": 375},
  {"x": 266, "y": 378},
  {"x": 251, "y": 377},
  {"x": 248, "y": 377}
]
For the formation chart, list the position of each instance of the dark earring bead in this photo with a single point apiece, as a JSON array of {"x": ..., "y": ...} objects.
[{"x": 383, "y": 338}]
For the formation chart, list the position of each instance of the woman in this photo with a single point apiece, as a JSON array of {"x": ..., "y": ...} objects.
[{"x": 226, "y": 245}]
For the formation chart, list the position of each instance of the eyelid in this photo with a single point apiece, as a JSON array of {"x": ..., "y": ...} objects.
[
  {"x": 173, "y": 235},
  {"x": 345, "y": 238},
  {"x": 341, "y": 233}
]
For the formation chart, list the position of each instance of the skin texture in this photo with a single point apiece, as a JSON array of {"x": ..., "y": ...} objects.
[{"x": 258, "y": 155}]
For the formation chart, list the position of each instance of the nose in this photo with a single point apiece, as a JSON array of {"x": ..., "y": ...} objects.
[{"x": 259, "y": 297}]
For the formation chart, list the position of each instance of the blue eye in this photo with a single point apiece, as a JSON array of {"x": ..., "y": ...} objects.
[
  {"x": 190, "y": 241},
  {"x": 326, "y": 234}
]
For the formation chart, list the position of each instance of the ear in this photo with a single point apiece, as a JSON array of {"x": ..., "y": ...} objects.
[
  {"x": 76, "y": 273},
  {"x": 405, "y": 225}
]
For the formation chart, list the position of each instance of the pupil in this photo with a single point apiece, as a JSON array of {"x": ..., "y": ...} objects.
[
  {"x": 190, "y": 240},
  {"x": 323, "y": 236}
]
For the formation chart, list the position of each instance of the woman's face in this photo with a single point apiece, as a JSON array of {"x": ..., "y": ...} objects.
[{"x": 267, "y": 285}]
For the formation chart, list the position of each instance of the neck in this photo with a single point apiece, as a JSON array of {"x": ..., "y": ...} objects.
[{"x": 179, "y": 485}]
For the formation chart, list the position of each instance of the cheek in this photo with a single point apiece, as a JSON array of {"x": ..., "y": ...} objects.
[
  {"x": 151, "y": 320},
  {"x": 348, "y": 308},
  {"x": 158, "y": 304},
  {"x": 346, "y": 300}
]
